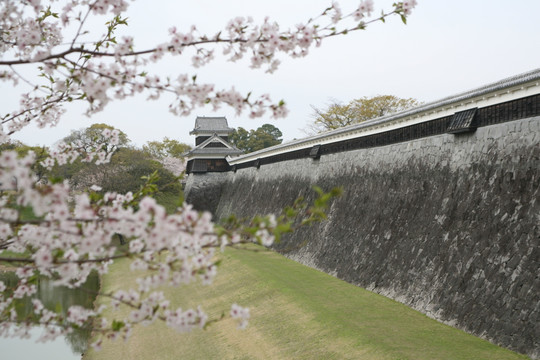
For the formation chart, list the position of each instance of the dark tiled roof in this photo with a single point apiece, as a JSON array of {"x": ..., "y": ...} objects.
[{"x": 205, "y": 124}]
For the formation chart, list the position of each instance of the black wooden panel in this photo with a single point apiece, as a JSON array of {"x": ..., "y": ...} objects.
[{"x": 199, "y": 166}]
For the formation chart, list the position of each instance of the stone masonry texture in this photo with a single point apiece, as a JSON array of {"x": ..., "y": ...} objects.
[{"x": 448, "y": 225}]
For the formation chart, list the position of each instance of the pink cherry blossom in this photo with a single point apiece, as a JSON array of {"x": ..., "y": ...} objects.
[{"x": 74, "y": 231}]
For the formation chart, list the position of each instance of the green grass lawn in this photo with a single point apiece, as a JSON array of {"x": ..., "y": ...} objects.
[{"x": 296, "y": 313}]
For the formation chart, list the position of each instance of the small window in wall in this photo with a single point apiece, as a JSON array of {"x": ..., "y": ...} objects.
[
  {"x": 315, "y": 152},
  {"x": 462, "y": 121}
]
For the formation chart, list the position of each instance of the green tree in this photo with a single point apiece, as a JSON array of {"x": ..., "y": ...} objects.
[
  {"x": 265, "y": 136},
  {"x": 337, "y": 115},
  {"x": 166, "y": 148},
  {"x": 125, "y": 173},
  {"x": 22, "y": 149},
  {"x": 240, "y": 138},
  {"x": 272, "y": 130},
  {"x": 87, "y": 138}
]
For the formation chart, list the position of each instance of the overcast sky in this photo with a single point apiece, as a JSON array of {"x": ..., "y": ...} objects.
[{"x": 447, "y": 47}]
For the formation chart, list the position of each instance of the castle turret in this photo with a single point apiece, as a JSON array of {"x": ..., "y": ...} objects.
[{"x": 211, "y": 146}]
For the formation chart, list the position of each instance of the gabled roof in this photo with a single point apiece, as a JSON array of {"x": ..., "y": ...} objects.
[
  {"x": 203, "y": 149},
  {"x": 210, "y": 125}
]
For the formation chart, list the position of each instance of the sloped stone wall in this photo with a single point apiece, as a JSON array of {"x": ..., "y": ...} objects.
[
  {"x": 203, "y": 190},
  {"x": 449, "y": 225}
]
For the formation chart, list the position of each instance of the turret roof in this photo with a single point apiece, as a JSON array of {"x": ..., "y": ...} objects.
[{"x": 204, "y": 124}]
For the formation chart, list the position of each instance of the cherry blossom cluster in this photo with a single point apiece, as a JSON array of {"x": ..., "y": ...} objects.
[
  {"x": 105, "y": 68},
  {"x": 72, "y": 234},
  {"x": 240, "y": 313},
  {"x": 175, "y": 165},
  {"x": 54, "y": 231}
]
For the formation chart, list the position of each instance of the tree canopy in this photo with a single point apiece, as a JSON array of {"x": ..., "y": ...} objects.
[
  {"x": 126, "y": 172},
  {"x": 265, "y": 136},
  {"x": 337, "y": 115},
  {"x": 85, "y": 141},
  {"x": 87, "y": 138},
  {"x": 40, "y": 152},
  {"x": 166, "y": 148}
]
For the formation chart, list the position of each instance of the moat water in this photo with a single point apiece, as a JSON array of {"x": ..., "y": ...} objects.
[{"x": 53, "y": 297}]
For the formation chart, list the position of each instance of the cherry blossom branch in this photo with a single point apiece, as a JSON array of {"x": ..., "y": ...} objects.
[
  {"x": 61, "y": 262},
  {"x": 203, "y": 41},
  {"x": 264, "y": 41},
  {"x": 81, "y": 24},
  {"x": 70, "y": 234}
]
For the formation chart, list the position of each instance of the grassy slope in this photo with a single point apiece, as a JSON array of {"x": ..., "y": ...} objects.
[{"x": 296, "y": 312}]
